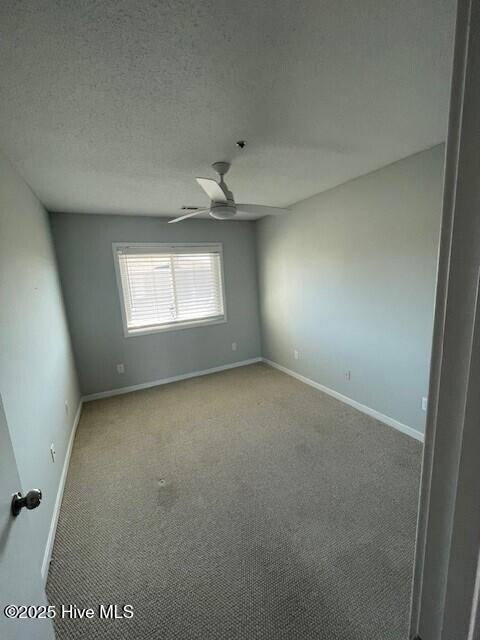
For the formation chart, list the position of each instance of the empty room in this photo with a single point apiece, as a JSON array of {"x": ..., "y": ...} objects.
[{"x": 220, "y": 229}]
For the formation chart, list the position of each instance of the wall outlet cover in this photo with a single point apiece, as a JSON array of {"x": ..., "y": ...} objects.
[
  {"x": 348, "y": 375},
  {"x": 234, "y": 346},
  {"x": 295, "y": 354},
  {"x": 120, "y": 368},
  {"x": 424, "y": 404}
]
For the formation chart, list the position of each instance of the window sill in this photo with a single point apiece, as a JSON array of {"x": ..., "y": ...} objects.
[{"x": 191, "y": 324}]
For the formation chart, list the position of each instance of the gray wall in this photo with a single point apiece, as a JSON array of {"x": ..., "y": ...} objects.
[
  {"x": 37, "y": 373},
  {"x": 84, "y": 251},
  {"x": 348, "y": 279}
]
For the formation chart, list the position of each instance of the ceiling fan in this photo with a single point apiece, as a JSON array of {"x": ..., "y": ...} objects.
[{"x": 222, "y": 203}]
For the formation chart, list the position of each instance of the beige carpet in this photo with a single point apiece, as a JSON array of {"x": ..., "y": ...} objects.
[{"x": 240, "y": 505}]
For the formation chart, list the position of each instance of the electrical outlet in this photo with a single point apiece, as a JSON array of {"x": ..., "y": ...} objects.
[
  {"x": 424, "y": 404},
  {"x": 348, "y": 375},
  {"x": 120, "y": 368},
  {"x": 234, "y": 346},
  {"x": 53, "y": 453},
  {"x": 295, "y": 354},
  {"x": 66, "y": 408}
]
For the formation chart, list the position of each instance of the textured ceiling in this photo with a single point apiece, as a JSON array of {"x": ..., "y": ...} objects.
[{"x": 115, "y": 106}]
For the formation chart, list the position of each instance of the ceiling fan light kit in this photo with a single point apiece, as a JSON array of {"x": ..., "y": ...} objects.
[{"x": 222, "y": 202}]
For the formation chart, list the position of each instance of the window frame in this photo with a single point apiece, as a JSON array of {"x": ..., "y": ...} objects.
[{"x": 216, "y": 247}]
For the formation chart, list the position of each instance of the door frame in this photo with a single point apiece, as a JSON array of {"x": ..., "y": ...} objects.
[{"x": 446, "y": 582}]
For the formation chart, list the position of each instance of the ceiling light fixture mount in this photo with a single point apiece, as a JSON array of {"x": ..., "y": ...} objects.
[{"x": 241, "y": 144}]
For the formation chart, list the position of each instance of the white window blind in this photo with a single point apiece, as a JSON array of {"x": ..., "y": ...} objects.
[{"x": 169, "y": 286}]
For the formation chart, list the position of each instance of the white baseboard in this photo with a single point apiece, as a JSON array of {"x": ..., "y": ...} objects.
[
  {"x": 391, "y": 422},
  {"x": 58, "y": 501},
  {"x": 156, "y": 383}
]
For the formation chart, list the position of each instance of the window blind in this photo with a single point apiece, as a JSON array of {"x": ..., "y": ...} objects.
[{"x": 170, "y": 286}]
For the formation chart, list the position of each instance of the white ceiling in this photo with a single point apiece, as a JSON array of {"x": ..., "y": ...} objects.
[{"x": 115, "y": 106}]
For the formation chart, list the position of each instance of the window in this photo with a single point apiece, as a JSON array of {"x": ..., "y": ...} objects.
[{"x": 169, "y": 286}]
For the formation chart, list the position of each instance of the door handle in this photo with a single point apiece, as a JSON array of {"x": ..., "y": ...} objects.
[{"x": 30, "y": 501}]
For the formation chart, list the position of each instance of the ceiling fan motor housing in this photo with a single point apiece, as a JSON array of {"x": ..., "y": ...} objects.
[{"x": 223, "y": 211}]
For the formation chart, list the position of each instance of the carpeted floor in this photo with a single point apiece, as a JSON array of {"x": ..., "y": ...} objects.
[{"x": 240, "y": 505}]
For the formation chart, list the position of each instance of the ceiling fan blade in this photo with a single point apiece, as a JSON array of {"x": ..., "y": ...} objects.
[
  {"x": 213, "y": 190},
  {"x": 261, "y": 210},
  {"x": 189, "y": 215}
]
